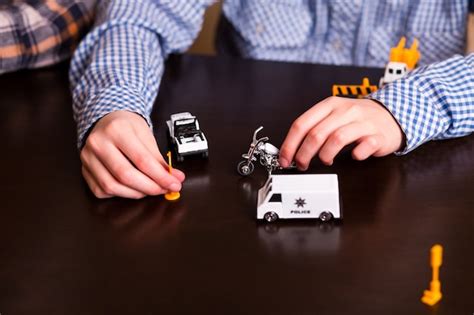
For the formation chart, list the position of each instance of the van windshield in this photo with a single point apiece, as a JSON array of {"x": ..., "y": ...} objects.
[
  {"x": 268, "y": 189},
  {"x": 275, "y": 198}
]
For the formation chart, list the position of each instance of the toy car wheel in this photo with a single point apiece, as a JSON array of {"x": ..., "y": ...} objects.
[
  {"x": 270, "y": 216},
  {"x": 245, "y": 168},
  {"x": 179, "y": 158},
  {"x": 325, "y": 216},
  {"x": 205, "y": 155}
]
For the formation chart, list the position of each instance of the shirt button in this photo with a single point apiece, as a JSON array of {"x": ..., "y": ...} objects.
[
  {"x": 259, "y": 29},
  {"x": 357, "y": 3},
  {"x": 337, "y": 44}
]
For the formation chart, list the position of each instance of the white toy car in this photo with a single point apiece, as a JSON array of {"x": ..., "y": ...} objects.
[
  {"x": 299, "y": 197},
  {"x": 393, "y": 71},
  {"x": 187, "y": 136}
]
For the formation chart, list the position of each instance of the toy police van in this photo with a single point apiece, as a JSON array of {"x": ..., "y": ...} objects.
[
  {"x": 187, "y": 136},
  {"x": 299, "y": 197}
]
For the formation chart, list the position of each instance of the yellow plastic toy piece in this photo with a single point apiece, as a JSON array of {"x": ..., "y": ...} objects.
[
  {"x": 357, "y": 91},
  {"x": 172, "y": 195},
  {"x": 410, "y": 56},
  {"x": 433, "y": 295}
]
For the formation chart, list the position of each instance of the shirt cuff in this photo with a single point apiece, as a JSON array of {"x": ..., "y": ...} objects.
[
  {"x": 106, "y": 101},
  {"x": 413, "y": 111}
]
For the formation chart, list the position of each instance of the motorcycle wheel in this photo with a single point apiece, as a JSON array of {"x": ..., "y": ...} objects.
[{"x": 245, "y": 168}]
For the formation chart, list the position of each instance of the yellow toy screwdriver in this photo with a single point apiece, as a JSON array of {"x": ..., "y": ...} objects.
[
  {"x": 433, "y": 295},
  {"x": 172, "y": 195}
]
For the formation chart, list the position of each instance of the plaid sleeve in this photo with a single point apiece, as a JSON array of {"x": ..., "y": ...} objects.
[
  {"x": 40, "y": 33},
  {"x": 119, "y": 64},
  {"x": 434, "y": 102}
]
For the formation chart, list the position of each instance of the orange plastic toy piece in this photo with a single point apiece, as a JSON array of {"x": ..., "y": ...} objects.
[
  {"x": 173, "y": 195},
  {"x": 433, "y": 295},
  {"x": 410, "y": 56},
  {"x": 356, "y": 91}
]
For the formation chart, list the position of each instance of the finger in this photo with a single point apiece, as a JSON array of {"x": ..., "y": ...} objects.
[
  {"x": 149, "y": 141},
  {"x": 301, "y": 126},
  {"x": 368, "y": 146},
  {"x": 341, "y": 137},
  {"x": 119, "y": 184},
  {"x": 127, "y": 174},
  {"x": 317, "y": 136},
  {"x": 148, "y": 164},
  {"x": 145, "y": 135},
  {"x": 93, "y": 186},
  {"x": 178, "y": 174}
]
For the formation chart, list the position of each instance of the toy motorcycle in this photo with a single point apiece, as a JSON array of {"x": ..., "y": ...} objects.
[{"x": 266, "y": 153}]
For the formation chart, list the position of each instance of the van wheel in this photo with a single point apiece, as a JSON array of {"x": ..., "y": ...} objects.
[
  {"x": 325, "y": 216},
  {"x": 270, "y": 216},
  {"x": 245, "y": 168}
]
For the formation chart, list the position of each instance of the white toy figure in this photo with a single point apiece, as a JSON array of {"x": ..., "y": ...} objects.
[
  {"x": 401, "y": 61},
  {"x": 266, "y": 153},
  {"x": 394, "y": 71},
  {"x": 186, "y": 135},
  {"x": 302, "y": 196}
]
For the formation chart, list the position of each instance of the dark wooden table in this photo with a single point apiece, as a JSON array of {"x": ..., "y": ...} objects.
[{"x": 65, "y": 252}]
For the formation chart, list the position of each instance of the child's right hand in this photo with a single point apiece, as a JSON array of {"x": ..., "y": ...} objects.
[
  {"x": 335, "y": 122},
  {"x": 121, "y": 158}
]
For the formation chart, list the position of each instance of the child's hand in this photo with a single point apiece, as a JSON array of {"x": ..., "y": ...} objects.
[
  {"x": 121, "y": 158},
  {"x": 336, "y": 122}
]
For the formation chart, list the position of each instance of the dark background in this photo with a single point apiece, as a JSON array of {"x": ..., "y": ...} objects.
[{"x": 65, "y": 252}]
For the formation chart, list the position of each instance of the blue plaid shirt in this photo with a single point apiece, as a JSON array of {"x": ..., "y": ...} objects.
[{"x": 119, "y": 65}]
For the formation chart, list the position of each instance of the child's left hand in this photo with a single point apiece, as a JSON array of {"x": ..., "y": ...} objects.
[{"x": 336, "y": 122}]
